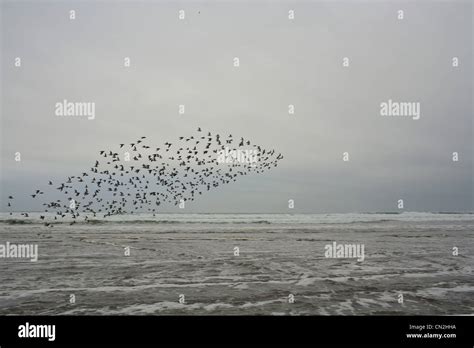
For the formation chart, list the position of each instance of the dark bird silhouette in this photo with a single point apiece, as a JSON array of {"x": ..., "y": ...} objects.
[{"x": 154, "y": 176}]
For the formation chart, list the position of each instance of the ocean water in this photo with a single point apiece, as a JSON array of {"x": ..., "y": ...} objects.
[{"x": 409, "y": 254}]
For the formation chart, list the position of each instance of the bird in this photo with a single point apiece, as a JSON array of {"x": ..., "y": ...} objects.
[{"x": 154, "y": 176}]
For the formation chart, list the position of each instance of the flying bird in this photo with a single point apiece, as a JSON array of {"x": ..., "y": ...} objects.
[{"x": 154, "y": 176}]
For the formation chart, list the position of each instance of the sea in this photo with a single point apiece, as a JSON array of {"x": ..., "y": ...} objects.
[{"x": 239, "y": 264}]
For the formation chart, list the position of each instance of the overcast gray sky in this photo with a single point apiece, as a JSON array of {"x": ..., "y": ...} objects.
[{"x": 282, "y": 62}]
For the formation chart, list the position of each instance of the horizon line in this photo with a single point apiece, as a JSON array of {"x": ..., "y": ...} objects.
[{"x": 256, "y": 213}]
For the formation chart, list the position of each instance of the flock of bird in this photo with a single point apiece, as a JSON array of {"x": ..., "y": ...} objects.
[{"x": 139, "y": 177}]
